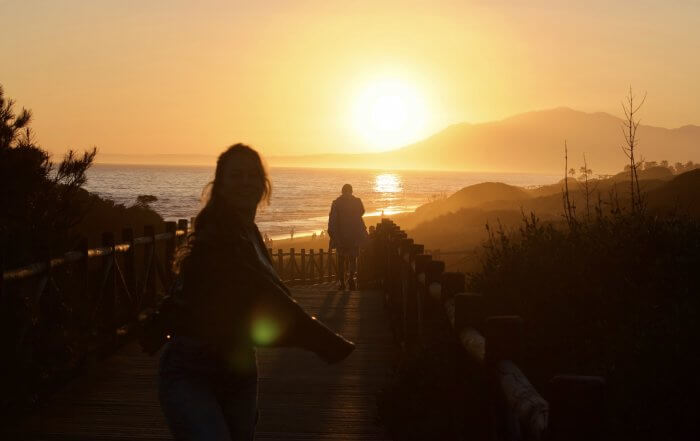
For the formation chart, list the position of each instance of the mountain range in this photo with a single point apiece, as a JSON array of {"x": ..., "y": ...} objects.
[
  {"x": 531, "y": 142},
  {"x": 528, "y": 142}
]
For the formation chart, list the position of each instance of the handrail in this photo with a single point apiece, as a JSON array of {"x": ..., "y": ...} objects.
[
  {"x": 412, "y": 280},
  {"x": 37, "y": 268},
  {"x": 34, "y": 269}
]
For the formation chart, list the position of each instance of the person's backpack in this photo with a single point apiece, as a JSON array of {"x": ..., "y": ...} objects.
[{"x": 160, "y": 325}]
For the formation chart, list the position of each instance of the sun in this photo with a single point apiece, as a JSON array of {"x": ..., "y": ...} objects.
[{"x": 389, "y": 113}]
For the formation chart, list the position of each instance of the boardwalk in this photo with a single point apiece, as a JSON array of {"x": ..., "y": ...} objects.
[{"x": 301, "y": 398}]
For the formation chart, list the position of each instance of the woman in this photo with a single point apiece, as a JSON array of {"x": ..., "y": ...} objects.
[{"x": 233, "y": 301}]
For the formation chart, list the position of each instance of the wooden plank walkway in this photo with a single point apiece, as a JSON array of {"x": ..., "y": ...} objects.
[{"x": 301, "y": 398}]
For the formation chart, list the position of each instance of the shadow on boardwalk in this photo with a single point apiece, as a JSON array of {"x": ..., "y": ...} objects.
[{"x": 301, "y": 398}]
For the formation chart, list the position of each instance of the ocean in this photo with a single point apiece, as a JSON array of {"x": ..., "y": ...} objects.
[{"x": 301, "y": 197}]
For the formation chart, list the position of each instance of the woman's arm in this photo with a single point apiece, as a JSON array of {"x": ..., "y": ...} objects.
[
  {"x": 245, "y": 304},
  {"x": 277, "y": 320}
]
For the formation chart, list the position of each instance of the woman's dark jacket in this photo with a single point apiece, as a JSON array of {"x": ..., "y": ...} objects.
[{"x": 235, "y": 303}]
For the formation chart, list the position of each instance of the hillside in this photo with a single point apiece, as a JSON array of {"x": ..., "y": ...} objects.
[
  {"x": 468, "y": 197},
  {"x": 458, "y": 222}
]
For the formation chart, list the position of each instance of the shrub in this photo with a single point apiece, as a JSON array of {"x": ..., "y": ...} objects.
[{"x": 616, "y": 297}]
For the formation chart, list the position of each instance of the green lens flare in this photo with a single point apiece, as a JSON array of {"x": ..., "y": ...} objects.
[{"x": 264, "y": 331}]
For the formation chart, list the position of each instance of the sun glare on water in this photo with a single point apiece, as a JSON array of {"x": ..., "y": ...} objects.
[
  {"x": 387, "y": 183},
  {"x": 389, "y": 113}
]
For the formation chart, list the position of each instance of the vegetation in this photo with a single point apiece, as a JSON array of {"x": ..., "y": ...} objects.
[
  {"x": 38, "y": 197},
  {"x": 614, "y": 297},
  {"x": 45, "y": 212}
]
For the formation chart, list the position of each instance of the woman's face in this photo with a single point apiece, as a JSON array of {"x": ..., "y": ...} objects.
[{"x": 242, "y": 184}]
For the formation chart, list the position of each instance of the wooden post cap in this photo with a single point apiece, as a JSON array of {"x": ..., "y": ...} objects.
[
  {"x": 433, "y": 271},
  {"x": 405, "y": 245},
  {"x": 416, "y": 249},
  {"x": 420, "y": 262}
]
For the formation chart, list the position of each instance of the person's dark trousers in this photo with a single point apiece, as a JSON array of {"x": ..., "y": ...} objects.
[{"x": 342, "y": 261}]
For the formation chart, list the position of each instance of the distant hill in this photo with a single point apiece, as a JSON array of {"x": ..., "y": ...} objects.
[
  {"x": 470, "y": 197},
  {"x": 458, "y": 221},
  {"x": 532, "y": 142},
  {"x": 682, "y": 194}
]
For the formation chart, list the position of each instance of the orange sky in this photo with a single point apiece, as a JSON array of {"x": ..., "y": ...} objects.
[{"x": 182, "y": 77}]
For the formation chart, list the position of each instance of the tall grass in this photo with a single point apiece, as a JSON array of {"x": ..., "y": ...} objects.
[{"x": 616, "y": 295}]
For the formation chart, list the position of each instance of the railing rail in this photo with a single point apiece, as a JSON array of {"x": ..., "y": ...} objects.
[
  {"x": 418, "y": 291},
  {"x": 37, "y": 268},
  {"x": 298, "y": 271}
]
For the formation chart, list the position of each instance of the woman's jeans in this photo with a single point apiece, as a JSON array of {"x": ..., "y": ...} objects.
[{"x": 201, "y": 399}]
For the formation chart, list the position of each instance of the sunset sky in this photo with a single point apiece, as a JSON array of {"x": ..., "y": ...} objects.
[{"x": 302, "y": 77}]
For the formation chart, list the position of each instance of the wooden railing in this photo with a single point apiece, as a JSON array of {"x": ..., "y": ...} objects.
[
  {"x": 84, "y": 302},
  {"x": 304, "y": 266},
  {"x": 419, "y": 291}
]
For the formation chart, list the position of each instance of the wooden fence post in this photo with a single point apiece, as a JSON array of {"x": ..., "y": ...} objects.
[
  {"x": 321, "y": 269},
  {"x": 149, "y": 256},
  {"x": 170, "y": 245},
  {"x": 108, "y": 317},
  {"x": 303, "y": 265},
  {"x": 451, "y": 284},
  {"x": 420, "y": 266},
  {"x": 433, "y": 288},
  {"x": 280, "y": 263},
  {"x": 312, "y": 264},
  {"x": 85, "y": 299},
  {"x": 292, "y": 263},
  {"x": 398, "y": 297},
  {"x": 394, "y": 286},
  {"x": 130, "y": 271}
]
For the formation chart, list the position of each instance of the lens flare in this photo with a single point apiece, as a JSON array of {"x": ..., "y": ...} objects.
[{"x": 264, "y": 331}]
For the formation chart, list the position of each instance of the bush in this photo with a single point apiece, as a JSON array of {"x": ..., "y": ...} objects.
[
  {"x": 37, "y": 197},
  {"x": 615, "y": 297}
]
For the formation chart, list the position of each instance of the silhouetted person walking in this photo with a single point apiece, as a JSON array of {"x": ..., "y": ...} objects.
[
  {"x": 347, "y": 231},
  {"x": 233, "y": 302}
]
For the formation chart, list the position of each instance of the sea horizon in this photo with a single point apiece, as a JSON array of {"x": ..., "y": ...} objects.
[{"x": 301, "y": 196}]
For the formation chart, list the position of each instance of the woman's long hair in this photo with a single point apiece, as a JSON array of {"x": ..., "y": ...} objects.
[{"x": 214, "y": 217}]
